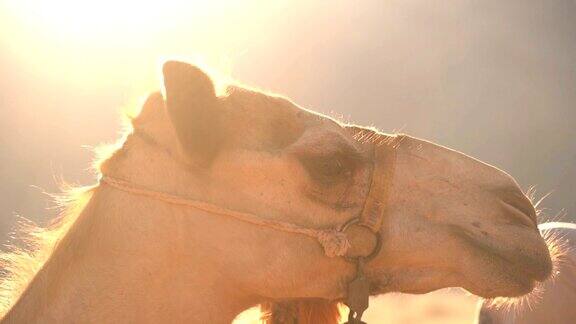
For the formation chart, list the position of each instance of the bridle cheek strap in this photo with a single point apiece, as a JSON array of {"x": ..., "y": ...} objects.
[
  {"x": 376, "y": 201},
  {"x": 372, "y": 215},
  {"x": 382, "y": 174}
]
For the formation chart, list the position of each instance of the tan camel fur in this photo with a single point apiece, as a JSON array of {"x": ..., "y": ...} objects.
[{"x": 118, "y": 257}]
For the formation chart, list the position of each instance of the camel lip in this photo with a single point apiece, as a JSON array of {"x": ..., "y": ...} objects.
[
  {"x": 522, "y": 276},
  {"x": 522, "y": 287},
  {"x": 522, "y": 268}
]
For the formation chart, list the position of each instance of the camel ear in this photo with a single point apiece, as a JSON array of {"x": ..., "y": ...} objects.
[{"x": 194, "y": 110}]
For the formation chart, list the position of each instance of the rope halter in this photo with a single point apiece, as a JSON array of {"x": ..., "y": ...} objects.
[{"x": 334, "y": 241}]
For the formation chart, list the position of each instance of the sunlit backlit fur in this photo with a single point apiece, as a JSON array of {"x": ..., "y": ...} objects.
[{"x": 36, "y": 244}]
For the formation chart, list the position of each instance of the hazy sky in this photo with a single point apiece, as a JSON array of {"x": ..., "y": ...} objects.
[{"x": 493, "y": 79}]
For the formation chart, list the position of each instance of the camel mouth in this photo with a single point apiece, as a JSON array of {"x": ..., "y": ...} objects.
[
  {"x": 523, "y": 277},
  {"x": 521, "y": 269},
  {"x": 520, "y": 277},
  {"x": 534, "y": 265}
]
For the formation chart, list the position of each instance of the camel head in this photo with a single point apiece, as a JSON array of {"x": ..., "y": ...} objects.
[{"x": 450, "y": 221}]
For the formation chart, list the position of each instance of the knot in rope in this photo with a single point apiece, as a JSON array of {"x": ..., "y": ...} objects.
[{"x": 335, "y": 243}]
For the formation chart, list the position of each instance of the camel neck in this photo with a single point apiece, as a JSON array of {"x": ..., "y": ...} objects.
[{"x": 100, "y": 272}]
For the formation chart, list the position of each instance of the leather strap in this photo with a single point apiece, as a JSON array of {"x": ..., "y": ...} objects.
[
  {"x": 358, "y": 291},
  {"x": 384, "y": 166}
]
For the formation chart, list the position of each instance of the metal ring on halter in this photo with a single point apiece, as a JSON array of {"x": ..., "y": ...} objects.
[{"x": 377, "y": 246}]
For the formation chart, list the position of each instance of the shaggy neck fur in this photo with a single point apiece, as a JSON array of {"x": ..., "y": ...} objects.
[
  {"x": 107, "y": 266},
  {"x": 125, "y": 253}
]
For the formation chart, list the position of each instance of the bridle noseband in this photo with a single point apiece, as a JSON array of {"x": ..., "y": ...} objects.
[{"x": 334, "y": 240}]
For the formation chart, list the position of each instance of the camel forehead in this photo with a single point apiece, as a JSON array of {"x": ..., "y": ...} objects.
[{"x": 270, "y": 122}]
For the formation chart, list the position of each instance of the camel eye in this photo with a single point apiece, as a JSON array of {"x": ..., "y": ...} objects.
[
  {"x": 332, "y": 167},
  {"x": 326, "y": 169}
]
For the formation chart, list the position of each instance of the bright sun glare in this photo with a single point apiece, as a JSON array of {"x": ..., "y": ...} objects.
[
  {"x": 107, "y": 42},
  {"x": 107, "y": 19}
]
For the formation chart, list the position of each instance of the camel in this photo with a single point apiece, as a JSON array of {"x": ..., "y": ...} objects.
[
  {"x": 555, "y": 300},
  {"x": 218, "y": 201}
]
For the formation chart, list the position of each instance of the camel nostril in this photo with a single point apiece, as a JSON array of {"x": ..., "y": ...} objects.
[
  {"x": 518, "y": 206},
  {"x": 521, "y": 213}
]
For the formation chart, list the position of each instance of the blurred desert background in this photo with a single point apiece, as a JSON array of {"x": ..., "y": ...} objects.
[{"x": 493, "y": 79}]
